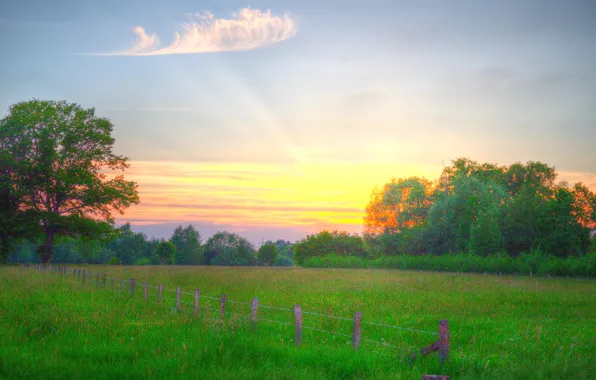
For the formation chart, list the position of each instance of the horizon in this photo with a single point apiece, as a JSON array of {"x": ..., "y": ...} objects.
[{"x": 277, "y": 120}]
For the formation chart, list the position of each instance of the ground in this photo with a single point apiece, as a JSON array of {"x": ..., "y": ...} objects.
[{"x": 500, "y": 327}]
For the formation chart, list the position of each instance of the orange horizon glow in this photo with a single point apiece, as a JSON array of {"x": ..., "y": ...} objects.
[{"x": 312, "y": 196}]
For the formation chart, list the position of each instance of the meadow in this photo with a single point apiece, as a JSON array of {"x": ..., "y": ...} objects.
[{"x": 509, "y": 327}]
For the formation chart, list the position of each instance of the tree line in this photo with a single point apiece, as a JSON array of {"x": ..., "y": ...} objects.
[
  {"x": 184, "y": 247},
  {"x": 480, "y": 209}
]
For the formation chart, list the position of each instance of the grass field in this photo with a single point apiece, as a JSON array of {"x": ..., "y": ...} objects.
[{"x": 501, "y": 327}]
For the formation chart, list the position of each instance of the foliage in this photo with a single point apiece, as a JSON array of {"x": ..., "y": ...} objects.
[
  {"x": 400, "y": 204},
  {"x": 165, "y": 253},
  {"x": 188, "y": 245},
  {"x": 536, "y": 263},
  {"x": 325, "y": 242},
  {"x": 267, "y": 254},
  {"x": 58, "y": 154},
  {"x": 284, "y": 261},
  {"x": 484, "y": 209},
  {"x": 226, "y": 248}
]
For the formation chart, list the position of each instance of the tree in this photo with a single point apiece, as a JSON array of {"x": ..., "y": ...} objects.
[
  {"x": 128, "y": 246},
  {"x": 165, "y": 252},
  {"x": 15, "y": 224},
  {"x": 400, "y": 204},
  {"x": 452, "y": 216},
  {"x": 60, "y": 154},
  {"x": 188, "y": 245},
  {"x": 268, "y": 254},
  {"x": 226, "y": 248}
]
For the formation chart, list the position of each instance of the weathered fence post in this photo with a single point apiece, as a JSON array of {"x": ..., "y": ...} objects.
[
  {"x": 298, "y": 318},
  {"x": 357, "y": 323},
  {"x": 121, "y": 284},
  {"x": 146, "y": 291},
  {"x": 97, "y": 278},
  {"x": 104, "y": 280},
  {"x": 132, "y": 286},
  {"x": 178, "y": 299},
  {"x": 253, "y": 311},
  {"x": 222, "y": 307},
  {"x": 197, "y": 295},
  {"x": 84, "y": 276},
  {"x": 159, "y": 291},
  {"x": 443, "y": 340}
]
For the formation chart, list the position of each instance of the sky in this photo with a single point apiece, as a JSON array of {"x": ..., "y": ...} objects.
[{"x": 275, "y": 119}]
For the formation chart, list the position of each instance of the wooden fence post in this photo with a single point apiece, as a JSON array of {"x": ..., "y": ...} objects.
[
  {"x": 84, "y": 276},
  {"x": 222, "y": 307},
  {"x": 146, "y": 291},
  {"x": 357, "y": 323},
  {"x": 197, "y": 295},
  {"x": 104, "y": 280},
  {"x": 132, "y": 286},
  {"x": 254, "y": 305},
  {"x": 159, "y": 291},
  {"x": 443, "y": 340},
  {"x": 122, "y": 284},
  {"x": 113, "y": 285},
  {"x": 298, "y": 318},
  {"x": 97, "y": 278},
  {"x": 178, "y": 299}
]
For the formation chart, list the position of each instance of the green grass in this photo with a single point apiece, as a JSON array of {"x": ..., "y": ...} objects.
[{"x": 501, "y": 327}]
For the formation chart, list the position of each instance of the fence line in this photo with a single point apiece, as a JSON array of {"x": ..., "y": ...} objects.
[{"x": 442, "y": 345}]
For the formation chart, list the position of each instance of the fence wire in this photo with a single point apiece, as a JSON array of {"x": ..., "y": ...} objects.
[{"x": 121, "y": 281}]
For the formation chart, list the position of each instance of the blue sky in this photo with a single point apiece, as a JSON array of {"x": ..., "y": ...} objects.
[{"x": 379, "y": 83}]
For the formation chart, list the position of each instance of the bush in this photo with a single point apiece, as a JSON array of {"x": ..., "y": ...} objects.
[
  {"x": 114, "y": 261},
  {"x": 284, "y": 261},
  {"x": 535, "y": 262}
]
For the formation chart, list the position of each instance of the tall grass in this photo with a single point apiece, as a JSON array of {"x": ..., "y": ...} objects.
[
  {"x": 535, "y": 263},
  {"x": 501, "y": 327}
]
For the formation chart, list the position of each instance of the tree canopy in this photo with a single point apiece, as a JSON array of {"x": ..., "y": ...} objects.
[{"x": 60, "y": 161}]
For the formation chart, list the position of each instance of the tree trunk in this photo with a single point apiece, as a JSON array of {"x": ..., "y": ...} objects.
[{"x": 48, "y": 248}]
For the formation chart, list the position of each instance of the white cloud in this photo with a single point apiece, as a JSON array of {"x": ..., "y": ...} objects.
[{"x": 247, "y": 29}]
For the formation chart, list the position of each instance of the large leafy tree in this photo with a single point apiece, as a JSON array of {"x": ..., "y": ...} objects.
[
  {"x": 188, "y": 245},
  {"x": 60, "y": 155}
]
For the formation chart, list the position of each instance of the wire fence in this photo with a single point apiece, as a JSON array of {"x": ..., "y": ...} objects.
[{"x": 442, "y": 345}]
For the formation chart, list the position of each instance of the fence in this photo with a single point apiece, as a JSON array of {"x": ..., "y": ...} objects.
[{"x": 441, "y": 345}]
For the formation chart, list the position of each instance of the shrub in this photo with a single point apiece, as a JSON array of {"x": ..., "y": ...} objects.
[{"x": 284, "y": 261}]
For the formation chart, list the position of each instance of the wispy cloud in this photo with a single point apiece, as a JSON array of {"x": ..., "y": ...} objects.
[{"x": 245, "y": 30}]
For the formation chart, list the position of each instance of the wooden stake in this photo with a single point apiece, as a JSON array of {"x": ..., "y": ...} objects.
[
  {"x": 443, "y": 340},
  {"x": 159, "y": 291},
  {"x": 178, "y": 299},
  {"x": 97, "y": 278},
  {"x": 122, "y": 284},
  {"x": 104, "y": 280},
  {"x": 132, "y": 286},
  {"x": 84, "y": 276},
  {"x": 356, "y": 335},
  {"x": 254, "y": 305},
  {"x": 298, "y": 318},
  {"x": 197, "y": 295},
  {"x": 222, "y": 307},
  {"x": 146, "y": 291}
]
